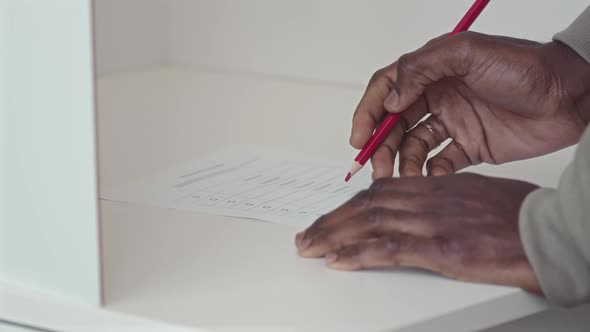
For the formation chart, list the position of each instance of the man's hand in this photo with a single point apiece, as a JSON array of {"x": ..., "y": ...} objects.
[
  {"x": 463, "y": 226},
  {"x": 499, "y": 99}
]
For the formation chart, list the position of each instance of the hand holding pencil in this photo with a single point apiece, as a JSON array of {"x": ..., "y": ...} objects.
[
  {"x": 391, "y": 119},
  {"x": 497, "y": 99}
]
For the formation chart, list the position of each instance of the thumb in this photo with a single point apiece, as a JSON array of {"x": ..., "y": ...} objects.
[{"x": 450, "y": 57}]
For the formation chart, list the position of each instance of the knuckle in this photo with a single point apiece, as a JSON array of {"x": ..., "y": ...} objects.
[
  {"x": 420, "y": 143},
  {"x": 322, "y": 220},
  {"x": 362, "y": 198},
  {"x": 408, "y": 170},
  {"x": 467, "y": 40},
  {"x": 446, "y": 247},
  {"x": 375, "y": 216},
  {"x": 406, "y": 64},
  {"x": 323, "y": 223},
  {"x": 442, "y": 162},
  {"x": 350, "y": 251},
  {"x": 380, "y": 184},
  {"x": 378, "y": 74},
  {"x": 416, "y": 68},
  {"x": 392, "y": 244},
  {"x": 411, "y": 161}
]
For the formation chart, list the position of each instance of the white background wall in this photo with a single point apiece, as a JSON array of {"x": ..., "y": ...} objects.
[
  {"x": 336, "y": 40},
  {"x": 130, "y": 34},
  {"x": 332, "y": 40}
]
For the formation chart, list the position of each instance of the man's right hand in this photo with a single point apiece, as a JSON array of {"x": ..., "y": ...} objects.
[{"x": 499, "y": 99}]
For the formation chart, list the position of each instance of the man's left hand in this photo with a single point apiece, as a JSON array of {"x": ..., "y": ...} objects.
[{"x": 463, "y": 226}]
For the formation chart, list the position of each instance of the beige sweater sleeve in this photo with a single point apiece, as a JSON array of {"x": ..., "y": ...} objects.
[{"x": 555, "y": 223}]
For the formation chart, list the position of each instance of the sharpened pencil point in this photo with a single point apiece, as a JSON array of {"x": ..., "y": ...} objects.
[{"x": 348, "y": 176}]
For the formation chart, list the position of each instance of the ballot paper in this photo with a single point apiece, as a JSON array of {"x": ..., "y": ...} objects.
[{"x": 250, "y": 182}]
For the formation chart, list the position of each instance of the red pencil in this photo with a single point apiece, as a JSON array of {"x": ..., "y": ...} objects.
[{"x": 390, "y": 120}]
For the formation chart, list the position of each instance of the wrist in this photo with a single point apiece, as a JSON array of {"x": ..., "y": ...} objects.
[{"x": 572, "y": 75}]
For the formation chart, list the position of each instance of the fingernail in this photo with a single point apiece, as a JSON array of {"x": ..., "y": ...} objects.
[
  {"x": 305, "y": 243},
  {"x": 331, "y": 258},
  {"x": 391, "y": 100}
]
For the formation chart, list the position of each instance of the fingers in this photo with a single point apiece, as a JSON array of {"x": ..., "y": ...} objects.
[
  {"x": 448, "y": 161},
  {"x": 384, "y": 157},
  {"x": 399, "y": 87},
  {"x": 362, "y": 200},
  {"x": 417, "y": 143},
  {"x": 370, "y": 110},
  {"x": 365, "y": 225},
  {"x": 383, "y": 160},
  {"x": 397, "y": 249},
  {"x": 447, "y": 57}
]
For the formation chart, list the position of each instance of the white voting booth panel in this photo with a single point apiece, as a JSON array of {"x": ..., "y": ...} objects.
[
  {"x": 48, "y": 226},
  {"x": 49, "y": 240}
]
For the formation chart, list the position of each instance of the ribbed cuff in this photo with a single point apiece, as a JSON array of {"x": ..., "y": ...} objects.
[
  {"x": 539, "y": 237},
  {"x": 577, "y": 35},
  {"x": 560, "y": 268}
]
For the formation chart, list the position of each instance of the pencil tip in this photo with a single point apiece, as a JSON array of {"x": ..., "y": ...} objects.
[{"x": 348, "y": 176}]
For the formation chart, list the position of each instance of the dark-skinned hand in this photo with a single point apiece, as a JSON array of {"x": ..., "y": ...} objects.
[
  {"x": 463, "y": 226},
  {"x": 498, "y": 99}
]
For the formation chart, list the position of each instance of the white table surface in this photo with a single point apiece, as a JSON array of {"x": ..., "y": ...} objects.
[
  {"x": 230, "y": 274},
  {"x": 5, "y": 327},
  {"x": 25, "y": 308}
]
